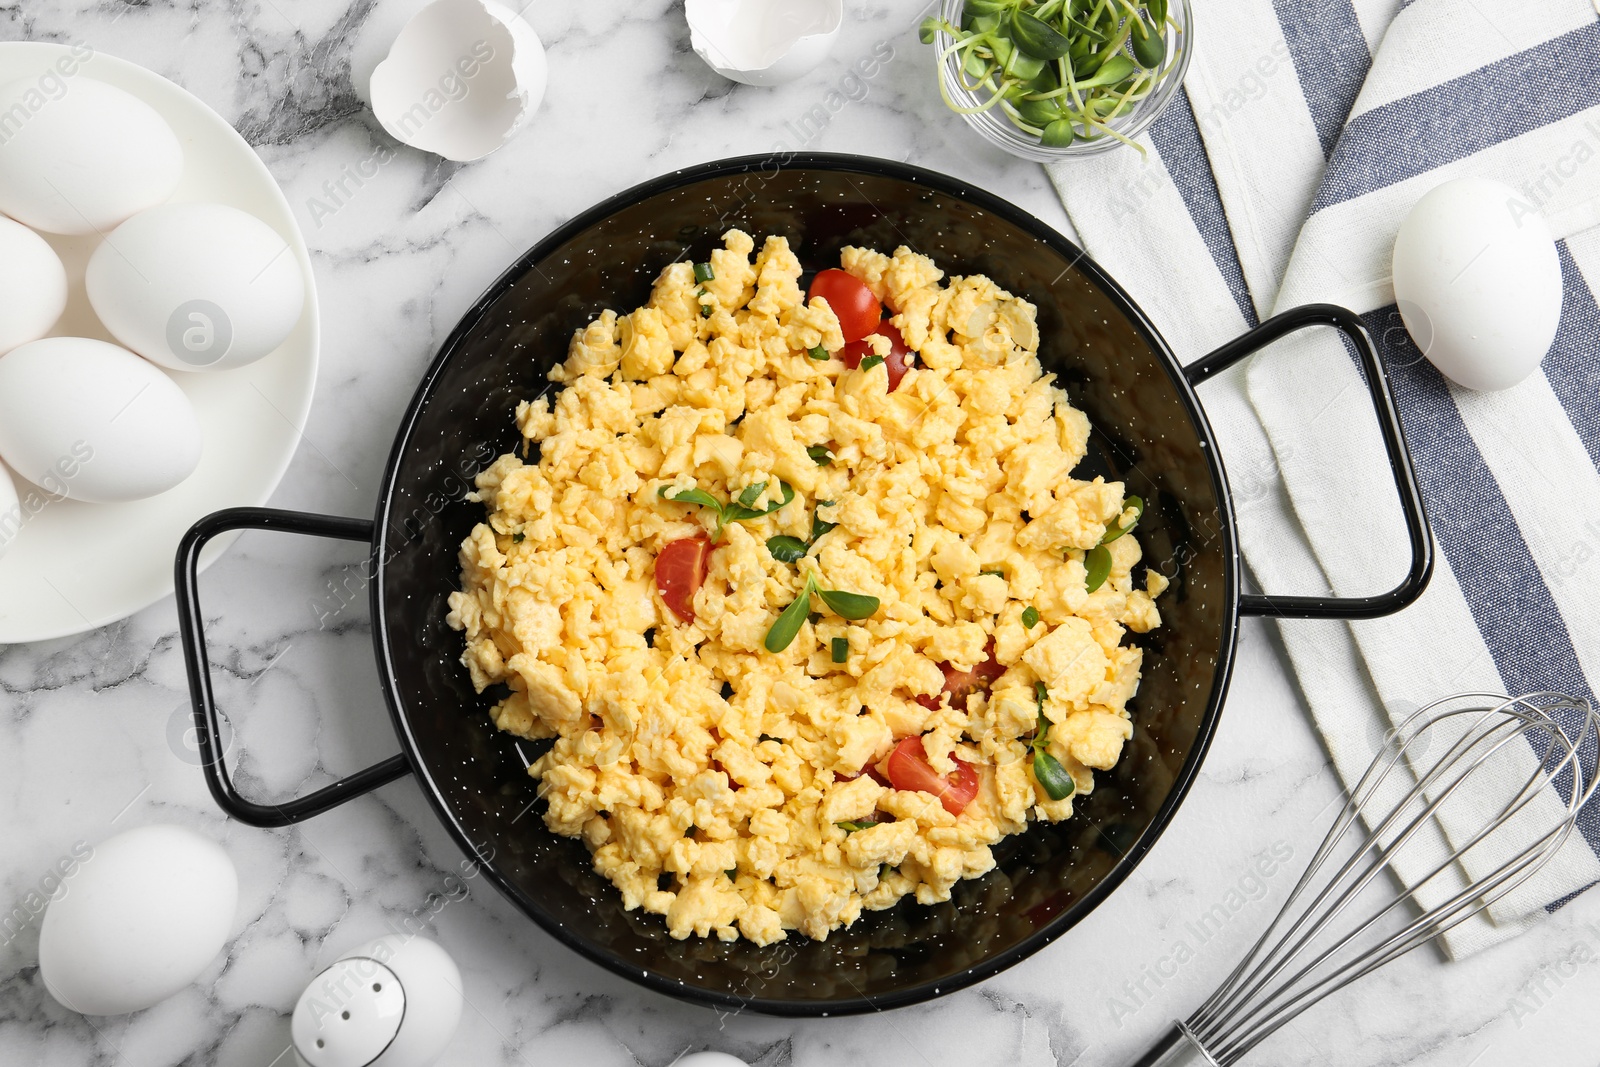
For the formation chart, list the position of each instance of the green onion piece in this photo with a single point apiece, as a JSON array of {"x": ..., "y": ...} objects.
[
  {"x": 751, "y": 492},
  {"x": 818, "y": 353},
  {"x": 784, "y": 630},
  {"x": 1097, "y": 564},
  {"x": 998, "y": 572},
  {"x": 739, "y": 512},
  {"x": 1030, "y": 616},
  {"x": 818, "y": 527},
  {"x": 852, "y": 606},
  {"x": 841, "y": 649},
  {"x": 1137, "y": 504},
  {"x": 705, "y": 311},
  {"x": 820, "y": 455},
  {"x": 733, "y": 872},
  {"x": 1048, "y": 772},
  {"x": 786, "y": 549},
  {"x": 689, "y": 496},
  {"x": 517, "y": 537},
  {"x": 703, "y": 273},
  {"x": 1041, "y": 694},
  {"x": 856, "y": 824},
  {"x": 871, "y": 361}
]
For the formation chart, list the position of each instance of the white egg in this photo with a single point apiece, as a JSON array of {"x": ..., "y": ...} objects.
[
  {"x": 79, "y": 156},
  {"x": 10, "y": 511},
  {"x": 197, "y": 286},
  {"x": 145, "y": 913},
  {"x": 91, "y": 421},
  {"x": 33, "y": 286},
  {"x": 1478, "y": 283}
]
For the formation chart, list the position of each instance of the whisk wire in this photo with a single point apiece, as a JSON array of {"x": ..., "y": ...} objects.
[{"x": 1272, "y": 984}]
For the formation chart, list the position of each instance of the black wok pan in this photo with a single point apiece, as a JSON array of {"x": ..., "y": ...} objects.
[{"x": 1150, "y": 432}]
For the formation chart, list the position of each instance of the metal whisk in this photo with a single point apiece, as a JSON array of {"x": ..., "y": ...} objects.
[{"x": 1481, "y": 819}]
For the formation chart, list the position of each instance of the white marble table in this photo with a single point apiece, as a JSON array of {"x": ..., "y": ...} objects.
[{"x": 91, "y": 729}]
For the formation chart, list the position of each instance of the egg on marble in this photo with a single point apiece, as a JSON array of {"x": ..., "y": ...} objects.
[
  {"x": 147, "y": 912},
  {"x": 33, "y": 286},
  {"x": 1478, "y": 283},
  {"x": 87, "y": 420},
  {"x": 78, "y": 156},
  {"x": 197, "y": 286}
]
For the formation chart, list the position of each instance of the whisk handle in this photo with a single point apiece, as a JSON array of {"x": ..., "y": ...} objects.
[
  {"x": 1175, "y": 1049},
  {"x": 1418, "y": 533}
]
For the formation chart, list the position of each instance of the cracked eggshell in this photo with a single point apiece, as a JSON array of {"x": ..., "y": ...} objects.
[
  {"x": 763, "y": 42},
  {"x": 460, "y": 79}
]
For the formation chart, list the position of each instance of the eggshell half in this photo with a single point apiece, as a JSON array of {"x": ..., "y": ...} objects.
[
  {"x": 196, "y": 286},
  {"x": 85, "y": 419},
  {"x": 142, "y": 917},
  {"x": 462, "y": 77},
  {"x": 33, "y": 286},
  {"x": 763, "y": 42},
  {"x": 79, "y": 156},
  {"x": 1478, "y": 283}
]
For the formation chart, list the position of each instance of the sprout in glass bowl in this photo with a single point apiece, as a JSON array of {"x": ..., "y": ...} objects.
[{"x": 1054, "y": 79}]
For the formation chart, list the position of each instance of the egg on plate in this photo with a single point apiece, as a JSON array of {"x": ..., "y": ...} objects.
[
  {"x": 87, "y": 420},
  {"x": 33, "y": 286},
  {"x": 196, "y": 286},
  {"x": 78, "y": 156}
]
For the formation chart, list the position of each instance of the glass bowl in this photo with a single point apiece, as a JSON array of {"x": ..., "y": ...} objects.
[{"x": 998, "y": 130}]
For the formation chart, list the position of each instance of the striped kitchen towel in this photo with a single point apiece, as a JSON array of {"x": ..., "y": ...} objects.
[{"x": 1305, "y": 132}]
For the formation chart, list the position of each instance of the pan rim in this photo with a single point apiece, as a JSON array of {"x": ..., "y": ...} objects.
[{"x": 1227, "y": 639}]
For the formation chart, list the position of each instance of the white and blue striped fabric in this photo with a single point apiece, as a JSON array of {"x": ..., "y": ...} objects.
[{"x": 1305, "y": 132}]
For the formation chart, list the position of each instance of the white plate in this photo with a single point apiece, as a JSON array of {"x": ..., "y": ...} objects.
[{"x": 76, "y": 566}]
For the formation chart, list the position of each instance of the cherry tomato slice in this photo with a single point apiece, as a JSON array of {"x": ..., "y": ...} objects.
[
  {"x": 895, "y": 362},
  {"x": 680, "y": 570},
  {"x": 959, "y": 684},
  {"x": 857, "y": 309},
  {"x": 909, "y": 769}
]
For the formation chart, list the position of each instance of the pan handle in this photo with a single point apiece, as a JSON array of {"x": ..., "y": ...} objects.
[
  {"x": 191, "y": 633},
  {"x": 1394, "y": 443}
]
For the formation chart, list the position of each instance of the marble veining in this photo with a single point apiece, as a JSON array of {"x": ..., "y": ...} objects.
[{"x": 93, "y": 730}]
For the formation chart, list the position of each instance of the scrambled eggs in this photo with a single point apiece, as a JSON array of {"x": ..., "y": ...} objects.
[{"x": 709, "y": 776}]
